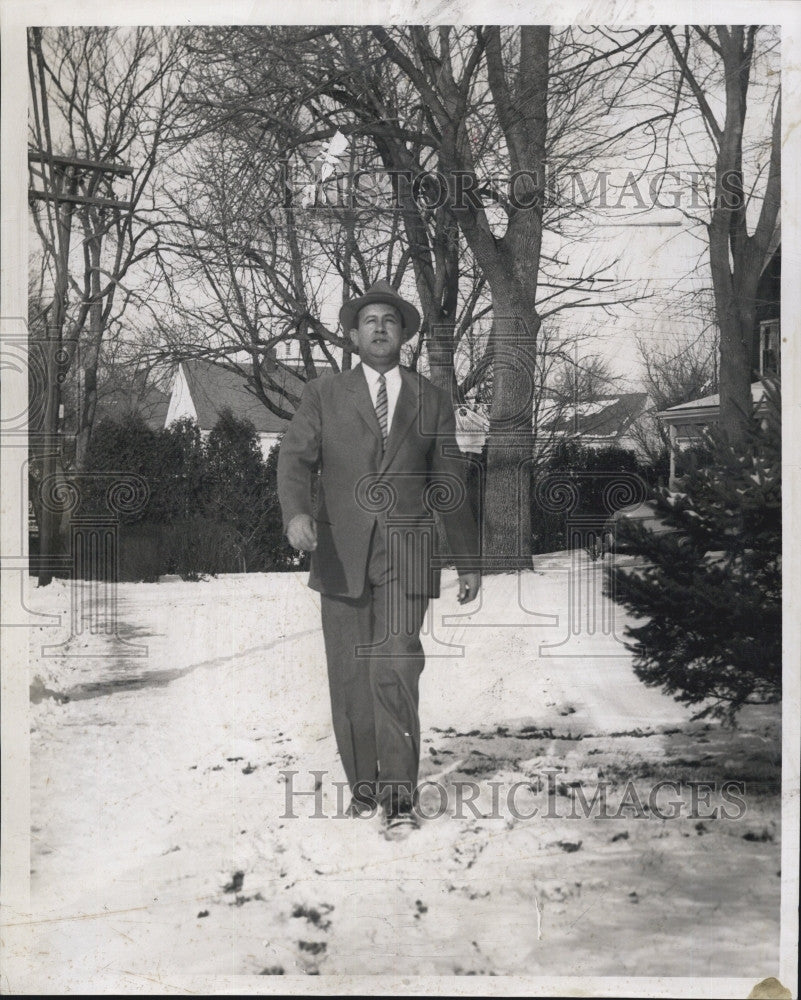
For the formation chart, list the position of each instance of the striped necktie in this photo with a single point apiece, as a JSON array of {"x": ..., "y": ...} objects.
[{"x": 382, "y": 407}]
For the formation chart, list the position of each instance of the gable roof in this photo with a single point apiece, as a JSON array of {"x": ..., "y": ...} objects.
[
  {"x": 606, "y": 417},
  {"x": 150, "y": 403},
  {"x": 215, "y": 389}
]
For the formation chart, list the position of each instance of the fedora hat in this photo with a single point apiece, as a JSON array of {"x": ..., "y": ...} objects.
[{"x": 381, "y": 291}]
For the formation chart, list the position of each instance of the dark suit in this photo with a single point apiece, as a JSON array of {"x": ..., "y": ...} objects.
[{"x": 374, "y": 563}]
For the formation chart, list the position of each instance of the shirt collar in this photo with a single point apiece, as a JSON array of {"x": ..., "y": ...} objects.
[{"x": 372, "y": 375}]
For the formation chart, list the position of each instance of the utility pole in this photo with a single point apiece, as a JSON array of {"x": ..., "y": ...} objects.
[{"x": 66, "y": 179}]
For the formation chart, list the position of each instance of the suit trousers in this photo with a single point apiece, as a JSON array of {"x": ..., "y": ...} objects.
[{"x": 375, "y": 659}]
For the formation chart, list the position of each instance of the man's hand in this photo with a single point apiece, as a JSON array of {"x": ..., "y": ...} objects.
[
  {"x": 302, "y": 533},
  {"x": 469, "y": 586}
]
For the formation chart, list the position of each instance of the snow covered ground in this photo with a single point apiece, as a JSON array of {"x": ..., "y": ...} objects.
[{"x": 161, "y": 844}]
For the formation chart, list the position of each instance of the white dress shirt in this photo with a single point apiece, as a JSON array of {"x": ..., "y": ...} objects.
[{"x": 393, "y": 380}]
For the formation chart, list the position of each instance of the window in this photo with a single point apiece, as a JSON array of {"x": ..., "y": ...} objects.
[{"x": 769, "y": 350}]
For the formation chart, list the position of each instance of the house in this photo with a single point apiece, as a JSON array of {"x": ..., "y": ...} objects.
[
  {"x": 604, "y": 422},
  {"x": 607, "y": 422},
  {"x": 766, "y": 344},
  {"x": 202, "y": 390},
  {"x": 122, "y": 392},
  {"x": 118, "y": 403},
  {"x": 686, "y": 421}
]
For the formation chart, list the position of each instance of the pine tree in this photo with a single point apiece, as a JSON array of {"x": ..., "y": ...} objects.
[
  {"x": 118, "y": 448},
  {"x": 710, "y": 588},
  {"x": 276, "y": 552},
  {"x": 241, "y": 494}
]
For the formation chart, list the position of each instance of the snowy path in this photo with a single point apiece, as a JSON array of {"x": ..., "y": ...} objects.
[{"x": 159, "y": 846}]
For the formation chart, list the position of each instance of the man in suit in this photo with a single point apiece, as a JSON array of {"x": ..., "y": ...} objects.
[{"x": 383, "y": 441}]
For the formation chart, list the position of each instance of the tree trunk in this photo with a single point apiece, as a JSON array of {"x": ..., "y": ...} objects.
[
  {"x": 736, "y": 258},
  {"x": 506, "y": 542},
  {"x": 735, "y": 306},
  {"x": 49, "y": 540},
  {"x": 440, "y": 354},
  {"x": 87, "y": 403},
  {"x": 511, "y": 265},
  {"x": 444, "y": 306}
]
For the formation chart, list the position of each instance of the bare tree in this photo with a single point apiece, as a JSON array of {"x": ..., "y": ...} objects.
[
  {"x": 732, "y": 63},
  {"x": 249, "y": 272},
  {"x": 471, "y": 104},
  {"x": 259, "y": 225},
  {"x": 679, "y": 368},
  {"x": 468, "y": 105},
  {"x": 285, "y": 85},
  {"x": 103, "y": 108},
  {"x": 582, "y": 379}
]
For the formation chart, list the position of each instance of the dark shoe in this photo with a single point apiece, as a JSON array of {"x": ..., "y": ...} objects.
[{"x": 400, "y": 819}]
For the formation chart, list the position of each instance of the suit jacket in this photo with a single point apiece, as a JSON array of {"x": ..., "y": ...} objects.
[{"x": 403, "y": 489}]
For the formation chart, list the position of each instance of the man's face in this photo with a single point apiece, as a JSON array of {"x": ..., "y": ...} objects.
[{"x": 378, "y": 335}]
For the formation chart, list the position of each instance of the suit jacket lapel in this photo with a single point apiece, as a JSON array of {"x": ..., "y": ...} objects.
[
  {"x": 406, "y": 411},
  {"x": 357, "y": 384}
]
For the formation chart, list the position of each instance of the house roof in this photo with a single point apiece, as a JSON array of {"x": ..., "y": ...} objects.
[
  {"x": 151, "y": 403},
  {"x": 215, "y": 389},
  {"x": 606, "y": 417},
  {"x": 704, "y": 408}
]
